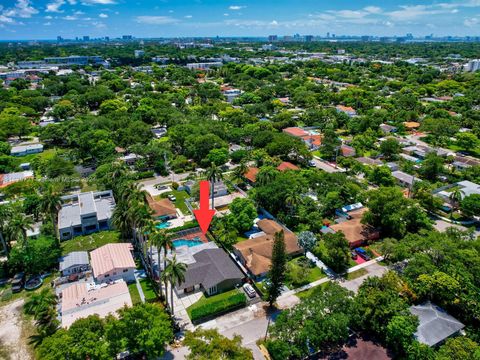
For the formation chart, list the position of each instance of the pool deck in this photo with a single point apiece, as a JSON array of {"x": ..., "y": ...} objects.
[{"x": 197, "y": 235}]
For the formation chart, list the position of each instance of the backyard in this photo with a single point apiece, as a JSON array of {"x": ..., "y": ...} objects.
[{"x": 90, "y": 242}]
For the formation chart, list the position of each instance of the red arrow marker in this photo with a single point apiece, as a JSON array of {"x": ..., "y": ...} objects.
[{"x": 204, "y": 215}]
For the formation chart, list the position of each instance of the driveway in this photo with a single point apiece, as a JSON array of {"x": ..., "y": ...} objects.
[
  {"x": 374, "y": 269},
  {"x": 326, "y": 167}
]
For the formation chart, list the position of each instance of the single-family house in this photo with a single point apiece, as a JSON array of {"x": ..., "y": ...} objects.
[
  {"x": 256, "y": 253},
  {"x": 163, "y": 209},
  {"x": 346, "y": 110},
  {"x": 355, "y": 232},
  {"x": 212, "y": 272},
  {"x": 111, "y": 262},
  {"x": 85, "y": 213},
  {"x": 23, "y": 150},
  {"x": 388, "y": 129},
  {"x": 11, "y": 178},
  {"x": 219, "y": 189},
  {"x": 435, "y": 324},
  {"x": 74, "y": 262},
  {"x": 81, "y": 300},
  {"x": 347, "y": 151},
  {"x": 369, "y": 161},
  {"x": 466, "y": 188},
  {"x": 251, "y": 174},
  {"x": 411, "y": 125},
  {"x": 404, "y": 179},
  {"x": 287, "y": 166}
]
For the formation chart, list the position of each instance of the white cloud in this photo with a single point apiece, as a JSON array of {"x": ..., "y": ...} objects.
[
  {"x": 22, "y": 9},
  {"x": 156, "y": 20},
  {"x": 98, "y": 2},
  {"x": 413, "y": 12},
  {"x": 48, "y": 23},
  {"x": 236, "y": 7},
  {"x": 6, "y": 20},
  {"x": 373, "y": 9},
  {"x": 55, "y": 6},
  {"x": 351, "y": 14},
  {"x": 471, "y": 22},
  {"x": 70, "y": 18},
  {"x": 188, "y": 16},
  {"x": 226, "y": 14},
  {"x": 103, "y": 16}
]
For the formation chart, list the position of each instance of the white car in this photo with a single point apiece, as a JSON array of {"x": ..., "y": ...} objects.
[
  {"x": 249, "y": 290},
  {"x": 172, "y": 197}
]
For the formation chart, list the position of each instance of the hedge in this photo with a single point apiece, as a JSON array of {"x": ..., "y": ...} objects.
[{"x": 219, "y": 307}]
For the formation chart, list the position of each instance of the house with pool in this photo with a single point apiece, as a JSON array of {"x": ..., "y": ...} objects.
[{"x": 163, "y": 209}]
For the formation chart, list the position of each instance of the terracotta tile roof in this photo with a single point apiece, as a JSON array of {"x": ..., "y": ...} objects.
[
  {"x": 287, "y": 166},
  {"x": 315, "y": 140},
  {"x": 345, "y": 108},
  {"x": 411, "y": 124},
  {"x": 354, "y": 230},
  {"x": 162, "y": 207},
  {"x": 257, "y": 252},
  {"x": 110, "y": 257},
  {"x": 295, "y": 131},
  {"x": 251, "y": 174}
]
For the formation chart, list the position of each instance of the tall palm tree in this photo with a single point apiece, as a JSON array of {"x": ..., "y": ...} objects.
[
  {"x": 50, "y": 204},
  {"x": 292, "y": 200},
  {"x": 121, "y": 220},
  {"x": 175, "y": 273},
  {"x": 455, "y": 197},
  {"x": 162, "y": 241},
  {"x": 39, "y": 301},
  {"x": 213, "y": 174}
]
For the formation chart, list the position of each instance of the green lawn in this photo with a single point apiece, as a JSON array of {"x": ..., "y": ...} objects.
[
  {"x": 90, "y": 242},
  {"x": 298, "y": 276},
  {"x": 312, "y": 291},
  {"x": 148, "y": 288},
  {"x": 180, "y": 202},
  {"x": 132, "y": 288},
  {"x": 211, "y": 299},
  {"x": 356, "y": 274}
]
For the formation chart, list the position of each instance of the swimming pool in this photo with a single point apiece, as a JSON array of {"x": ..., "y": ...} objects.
[
  {"x": 184, "y": 242},
  {"x": 163, "y": 225}
]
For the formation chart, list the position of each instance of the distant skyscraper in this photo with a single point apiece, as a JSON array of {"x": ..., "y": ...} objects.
[
  {"x": 127, "y": 37},
  {"x": 328, "y": 35},
  {"x": 272, "y": 38},
  {"x": 86, "y": 38},
  {"x": 107, "y": 38},
  {"x": 409, "y": 36},
  {"x": 473, "y": 65},
  {"x": 308, "y": 38},
  {"x": 59, "y": 39}
]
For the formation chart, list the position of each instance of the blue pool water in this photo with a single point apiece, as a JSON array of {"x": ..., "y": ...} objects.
[
  {"x": 183, "y": 242},
  {"x": 163, "y": 225}
]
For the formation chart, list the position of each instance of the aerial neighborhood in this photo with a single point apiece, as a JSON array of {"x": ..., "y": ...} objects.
[{"x": 343, "y": 178}]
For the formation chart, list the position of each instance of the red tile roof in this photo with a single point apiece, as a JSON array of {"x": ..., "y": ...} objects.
[
  {"x": 287, "y": 166},
  {"x": 313, "y": 139},
  {"x": 295, "y": 131},
  {"x": 251, "y": 174},
  {"x": 110, "y": 257}
]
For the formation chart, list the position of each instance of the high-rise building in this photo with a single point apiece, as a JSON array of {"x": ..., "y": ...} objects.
[
  {"x": 473, "y": 65},
  {"x": 328, "y": 35},
  {"x": 308, "y": 38},
  {"x": 272, "y": 38},
  {"x": 59, "y": 39},
  {"x": 86, "y": 38},
  {"x": 127, "y": 37}
]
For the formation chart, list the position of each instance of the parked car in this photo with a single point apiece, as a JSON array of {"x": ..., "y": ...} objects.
[
  {"x": 17, "y": 282},
  {"x": 311, "y": 163},
  {"x": 160, "y": 187},
  {"x": 249, "y": 290},
  {"x": 354, "y": 255},
  {"x": 362, "y": 253},
  {"x": 172, "y": 197}
]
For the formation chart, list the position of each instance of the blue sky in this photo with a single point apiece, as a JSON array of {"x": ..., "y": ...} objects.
[{"x": 45, "y": 19}]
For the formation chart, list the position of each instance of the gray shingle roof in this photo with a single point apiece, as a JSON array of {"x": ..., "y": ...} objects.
[
  {"x": 435, "y": 325},
  {"x": 211, "y": 267},
  {"x": 73, "y": 258}
]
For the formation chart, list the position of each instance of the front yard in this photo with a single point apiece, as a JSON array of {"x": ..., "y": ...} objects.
[
  {"x": 90, "y": 242},
  {"x": 216, "y": 304},
  {"x": 180, "y": 201},
  {"x": 301, "y": 271}
]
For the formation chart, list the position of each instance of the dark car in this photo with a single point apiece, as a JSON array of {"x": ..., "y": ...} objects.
[
  {"x": 17, "y": 282},
  {"x": 354, "y": 255},
  {"x": 362, "y": 253}
]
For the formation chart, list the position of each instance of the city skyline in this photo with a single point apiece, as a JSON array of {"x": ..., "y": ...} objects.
[{"x": 171, "y": 18}]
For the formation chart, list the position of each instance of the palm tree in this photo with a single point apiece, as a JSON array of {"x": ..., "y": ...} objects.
[
  {"x": 50, "y": 204},
  {"x": 39, "y": 301},
  {"x": 175, "y": 273},
  {"x": 121, "y": 220},
  {"x": 292, "y": 200},
  {"x": 266, "y": 175},
  {"x": 213, "y": 174},
  {"x": 455, "y": 197},
  {"x": 18, "y": 225},
  {"x": 240, "y": 171},
  {"x": 161, "y": 240}
]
